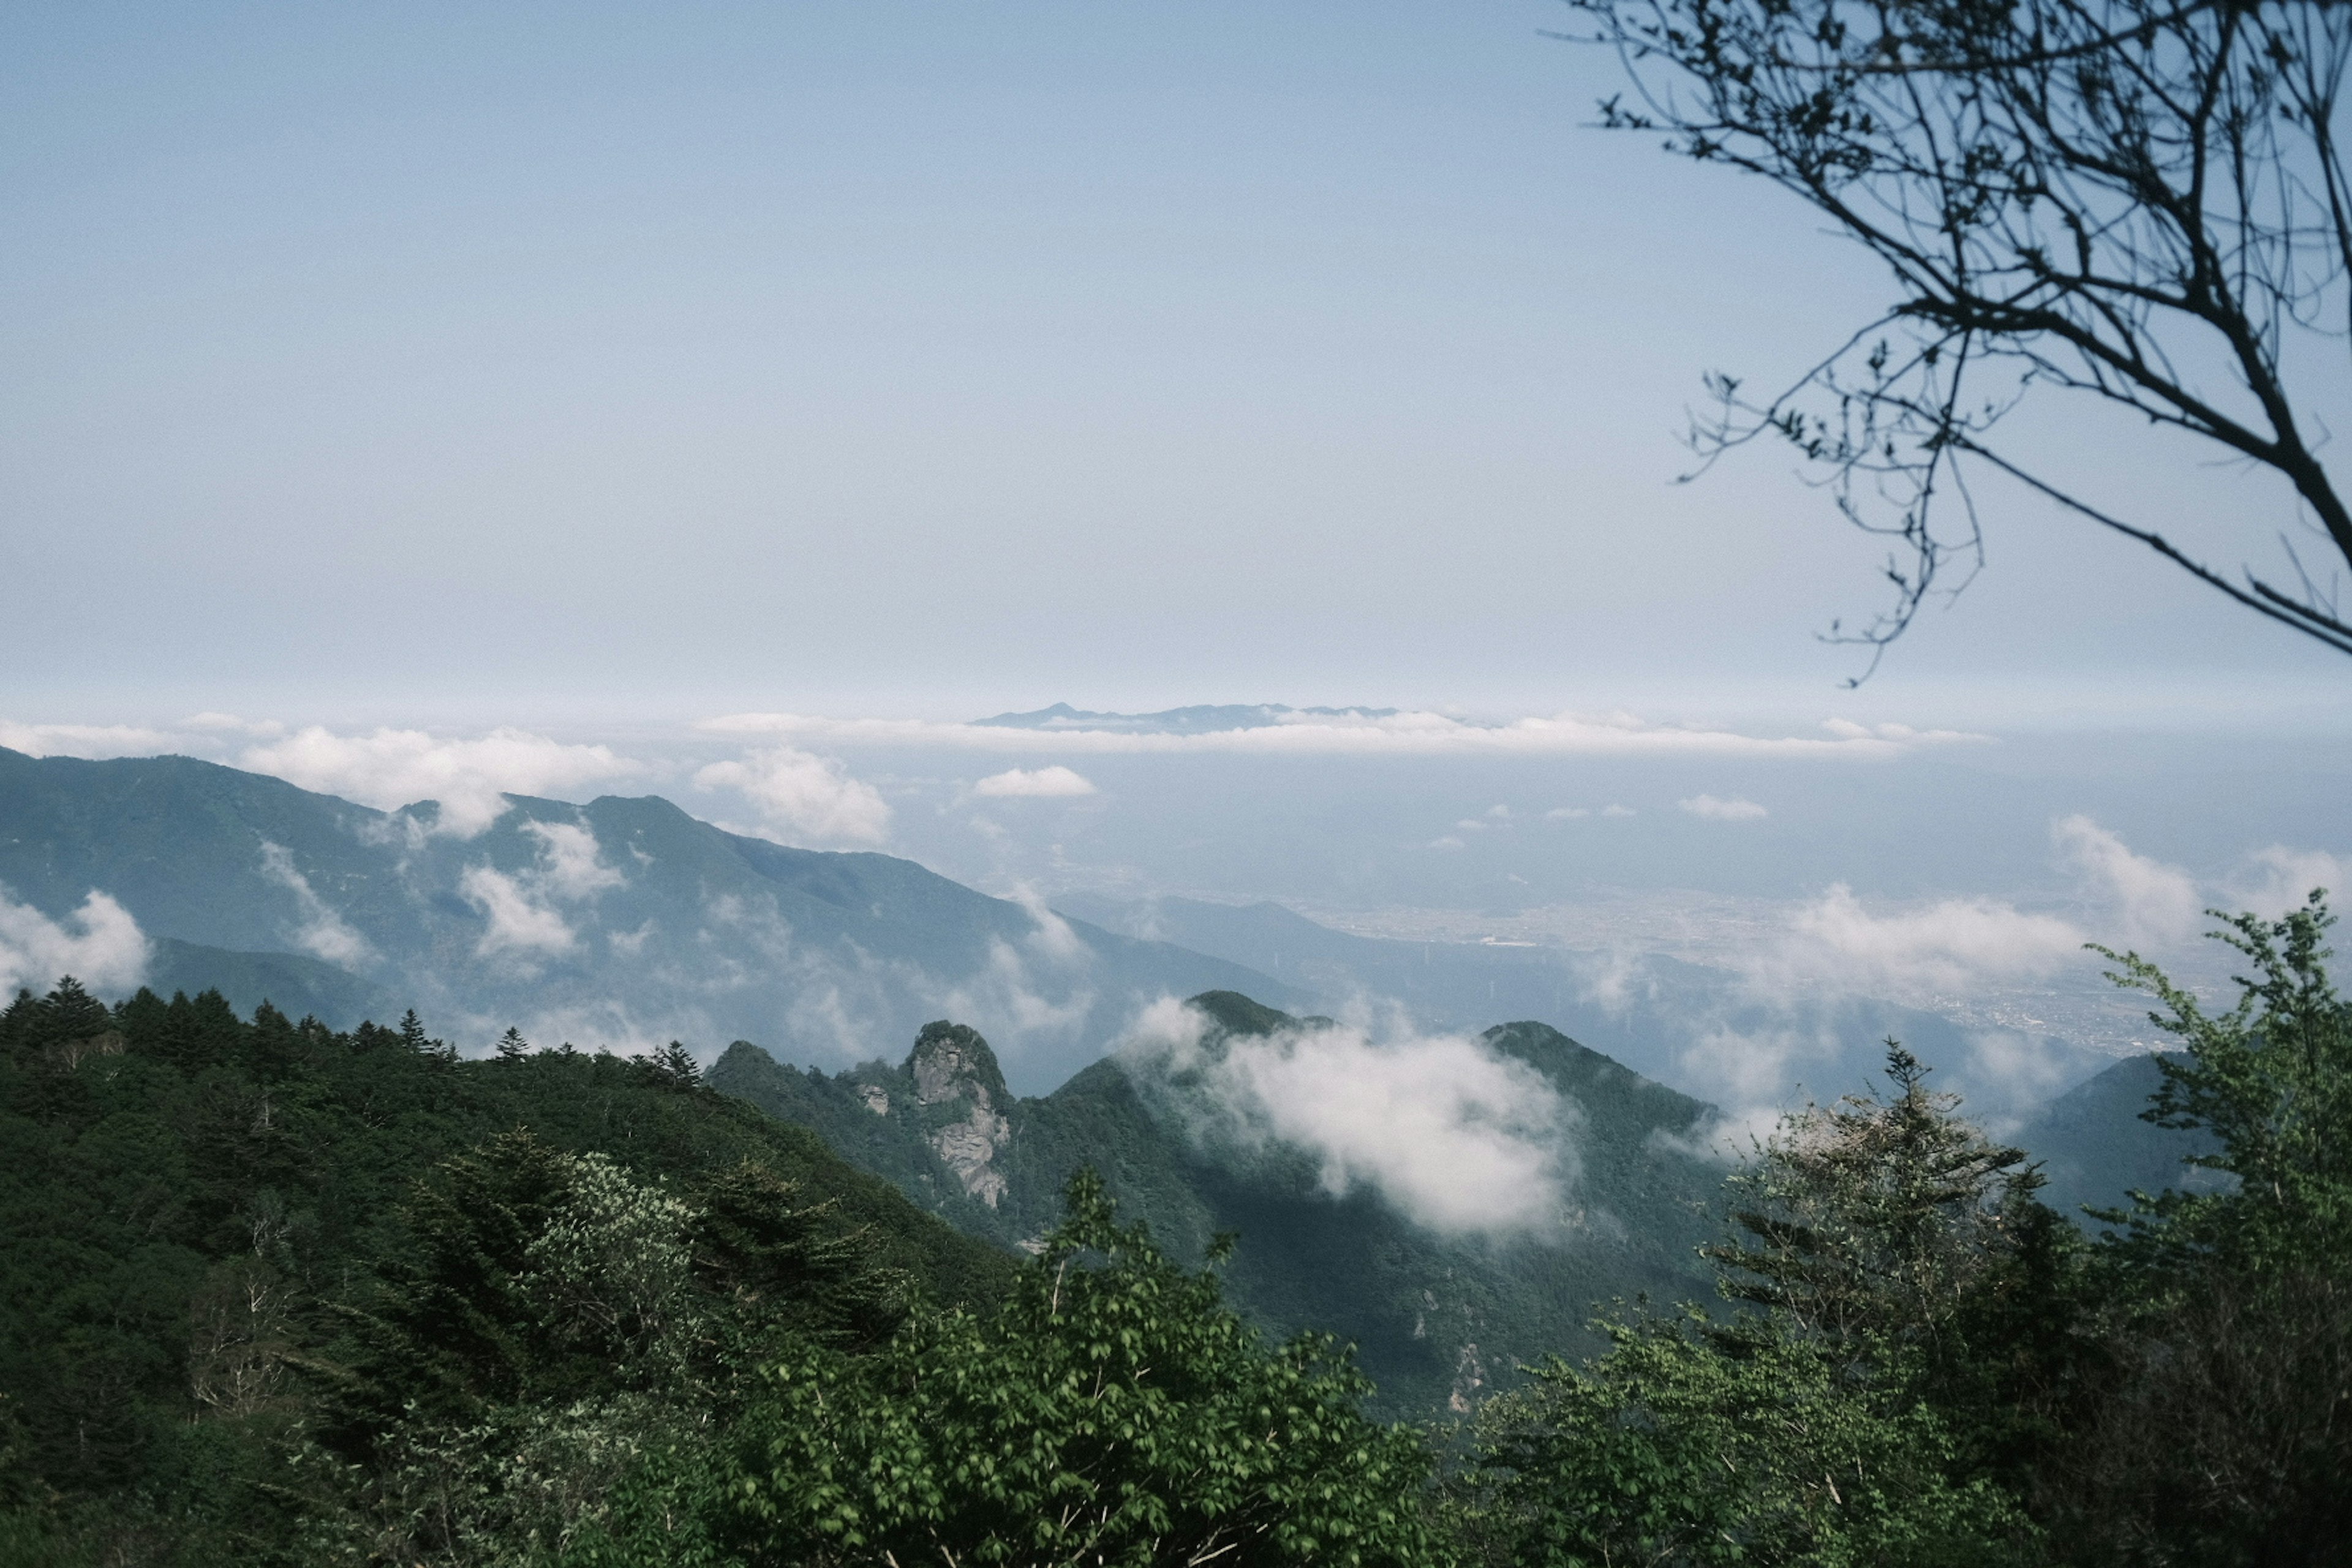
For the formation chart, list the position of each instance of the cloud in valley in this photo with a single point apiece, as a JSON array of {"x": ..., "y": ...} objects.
[
  {"x": 807, "y": 798},
  {"x": 99, "y": 944},
  {"x": 517, "y": 919},
  {"x": 1046, "y": 783},
  {"x": 320, "y": 931},
  {"x": 470, "y": 778},
  {"x": 1453, "y": 1135},
  {"x": 569, "y": 865}
]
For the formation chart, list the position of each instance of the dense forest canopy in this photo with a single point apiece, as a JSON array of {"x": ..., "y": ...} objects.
[{"x": 276, "y": 1294}]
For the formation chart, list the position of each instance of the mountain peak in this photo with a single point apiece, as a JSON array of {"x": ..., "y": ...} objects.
[{"x": 951, "y": 1061}]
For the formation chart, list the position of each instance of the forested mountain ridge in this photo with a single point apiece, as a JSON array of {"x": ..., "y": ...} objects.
[
  {"x": 1436, "y": 1317},
  {"x": 624, "y": 919},
  {"x": 193, "y": 1202}
]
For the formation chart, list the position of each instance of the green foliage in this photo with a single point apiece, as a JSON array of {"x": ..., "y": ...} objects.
[
  {"x": 1113, "y": 1410},
  {"x": 1879, "y": 1402},
  {"x": 2222, "y": 1438},
  {"x": 1688, "y": 1446},
  {"x": 2272, "y": 1080},
  {"x": 233, "y": 1241}
]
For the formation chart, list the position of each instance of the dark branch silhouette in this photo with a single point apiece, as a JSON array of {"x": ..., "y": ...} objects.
[{"x": 2145, "y": 204}]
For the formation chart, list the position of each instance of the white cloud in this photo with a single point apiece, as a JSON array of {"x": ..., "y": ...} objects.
[
  {"x": 471, "y": 779},
  {"x": 1041, "y": 783},
  {"x": 1715, "y": 810},
  {"x": 82, "y": 739},
  {"x": 518, "y": 921},
  {"x": 2152, "y": 903},
  {"x": 568, "y": 863},
  {"x": 1447, "y": 842},
  {"x": 1616, "y": 811},
  {"x": 1565, "y": 812},
  {"x": 809, "y": 796},
  {"x": 321, "y": 932},
  {"x": 1454, "y": 1135},
  {"x": 2279, "y": 879},
  {"x": 1836, "y": 943},
  {"x": 1356, "y": 734},
  {"x": 1054, "y": 937},
  {"x": 107, "y": 953}
]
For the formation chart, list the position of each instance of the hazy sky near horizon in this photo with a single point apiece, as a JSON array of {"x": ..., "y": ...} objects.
[{"x": 565, "y": 364}]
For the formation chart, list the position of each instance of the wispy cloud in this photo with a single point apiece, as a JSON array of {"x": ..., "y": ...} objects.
[
  {"x": 570, "y": 865},
  {"x": 99, "y": 944},
  {"x": 470, "y": 778},
  {"x": 1358, "y": 734},
  {"x": 83, "y": 740},
  {"x": 517, "y": 920},
  {"x": 1717, "y": 810},
  {"x": 1837, "y": 943},
  {"x": 1457, "y": 1136},
  {"x": 1044, "y": 782},
  {"x": 809, "y": 797},
  {"x": 318, "y": 930},
  {"x": 2278, "y": 879}
]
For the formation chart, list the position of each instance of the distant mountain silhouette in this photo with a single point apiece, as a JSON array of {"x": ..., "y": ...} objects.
[{"x": 622, "y": 921}]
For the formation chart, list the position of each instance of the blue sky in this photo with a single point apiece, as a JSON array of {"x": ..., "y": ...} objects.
[{"x": 589, "y": 365}]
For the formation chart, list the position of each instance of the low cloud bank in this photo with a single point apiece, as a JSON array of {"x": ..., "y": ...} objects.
[
  {"x": 470, "y": 778},
  {"x": 1456, "y": 1137},
  {"x": 806, "y": 798},
  {"x": 1358, "y": 733},
  {"x": 99, "y": 944}
]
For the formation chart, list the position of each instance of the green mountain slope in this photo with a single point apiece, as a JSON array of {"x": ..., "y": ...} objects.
[
  {"x": 1436, "y": 1317},
  {"x": 622, "y": 921},
  {"x": 2094, "y": 1149},
  {"x": 154, "y": 1155}
]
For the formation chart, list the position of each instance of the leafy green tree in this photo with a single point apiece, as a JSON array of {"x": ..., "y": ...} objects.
[
  {"x": 1685, "y": 1444},
  {"x": 1112, "y": 1411},
  {"x": 2224, "y": 1437},
  {"x": 512, "y": 1046},
  {"x": 1878, "y": 1402}
]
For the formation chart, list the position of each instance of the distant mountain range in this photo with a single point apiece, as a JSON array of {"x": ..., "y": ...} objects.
[
  {"x": 1437, "y": 1310},
  {"x": 622, "y": 921}
]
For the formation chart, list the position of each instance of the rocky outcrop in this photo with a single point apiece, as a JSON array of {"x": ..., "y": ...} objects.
[{"x": 950, "y": 1063}]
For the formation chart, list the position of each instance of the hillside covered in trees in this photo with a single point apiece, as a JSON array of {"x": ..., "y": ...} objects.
[{"x": 275, "y": 1294}]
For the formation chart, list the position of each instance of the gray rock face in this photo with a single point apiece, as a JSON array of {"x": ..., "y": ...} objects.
[
  {"x": 967, "y": 1147},
  {"x": 951, "y": 1063}
]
